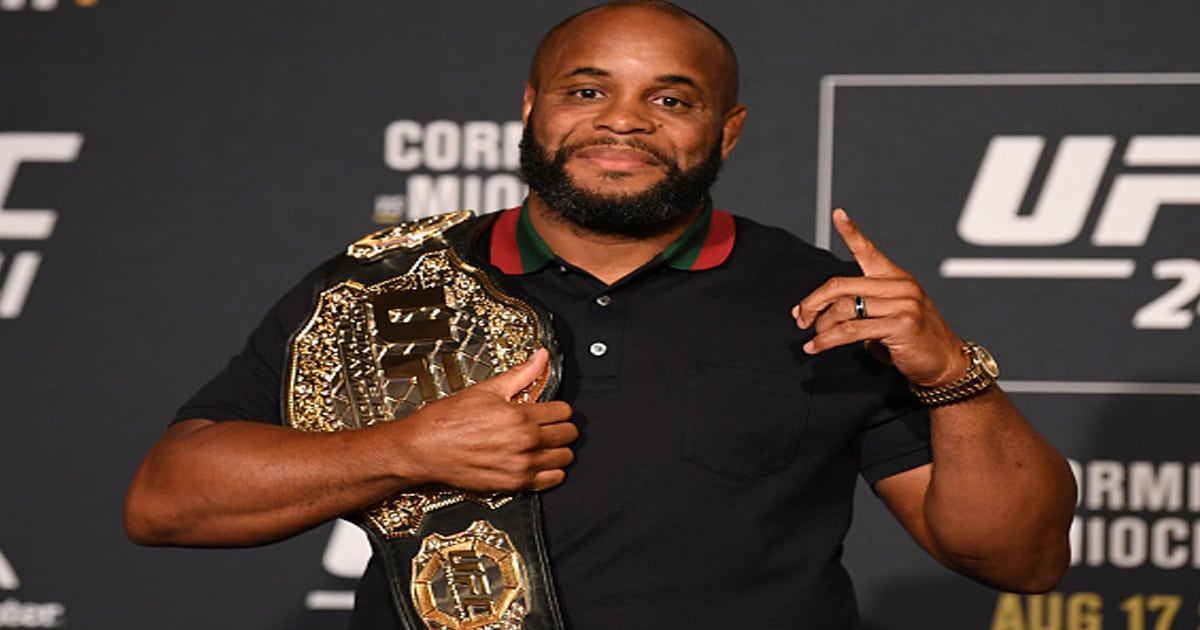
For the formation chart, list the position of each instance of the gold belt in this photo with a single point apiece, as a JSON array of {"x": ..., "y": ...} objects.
[{"x": 404, "y": 319}]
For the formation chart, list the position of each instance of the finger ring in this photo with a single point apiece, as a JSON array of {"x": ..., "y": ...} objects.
[{"x": 860, "y": 307}]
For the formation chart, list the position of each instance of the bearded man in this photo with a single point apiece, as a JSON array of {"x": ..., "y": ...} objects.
[{"x": 723, "y": 384}]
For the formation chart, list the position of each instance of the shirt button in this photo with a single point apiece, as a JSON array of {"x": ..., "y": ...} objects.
[
  {"x": 603, "y": 300},
  {"x": 598, "y": 349}
]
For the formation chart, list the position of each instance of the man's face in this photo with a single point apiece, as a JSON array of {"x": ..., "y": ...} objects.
[
  {"x": 638, "y": 214},
  {"x": 627, "y": 103}
]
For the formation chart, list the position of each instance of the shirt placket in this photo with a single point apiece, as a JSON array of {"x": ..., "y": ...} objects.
[{"x": 601, "y": 338}]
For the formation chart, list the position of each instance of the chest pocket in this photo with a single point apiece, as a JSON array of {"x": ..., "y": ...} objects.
[{"x": 744, "y": 423}]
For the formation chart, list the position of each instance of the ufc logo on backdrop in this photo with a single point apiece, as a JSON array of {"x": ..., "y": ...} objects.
[
  {"x": 346, "y": 556},
  {"x": 17, "y": 270},
  {"x": 8, "y": 577},
  {"x": 15, "y": 613},
  {"x": 992, "y": 214}
]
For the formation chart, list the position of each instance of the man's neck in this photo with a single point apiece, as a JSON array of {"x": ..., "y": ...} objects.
[{"x": 607, "y": 257}]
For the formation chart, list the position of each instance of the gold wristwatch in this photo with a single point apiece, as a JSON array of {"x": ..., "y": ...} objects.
[{"x": 981, "y": 374}]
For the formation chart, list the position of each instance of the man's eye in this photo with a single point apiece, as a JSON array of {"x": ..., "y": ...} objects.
[
  {"x": 587, "y": 93},
  {"x": 670, "y": 102}
]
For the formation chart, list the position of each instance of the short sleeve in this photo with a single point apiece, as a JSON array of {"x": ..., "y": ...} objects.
[
  {"x": 891, "y": 427},
  {"x": 896, "y": 436},
  {"x": 249, "y": 386},
  {"x": 901, "y": 443}
]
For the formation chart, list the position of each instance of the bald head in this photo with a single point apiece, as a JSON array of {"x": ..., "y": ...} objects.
[{"x": 586, "y": 23}]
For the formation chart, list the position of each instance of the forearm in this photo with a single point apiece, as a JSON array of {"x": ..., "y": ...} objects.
[
  {"x": 1000, "y": 497},
  {"x": 245, "y": 483}
]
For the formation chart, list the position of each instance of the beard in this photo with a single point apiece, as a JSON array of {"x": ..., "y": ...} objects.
[{"x": 638, "y": 215}]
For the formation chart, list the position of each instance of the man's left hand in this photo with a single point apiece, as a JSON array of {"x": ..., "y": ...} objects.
[{"x": 893, "y": 318}]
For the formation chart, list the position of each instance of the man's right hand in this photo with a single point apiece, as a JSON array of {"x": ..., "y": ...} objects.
[
  {"x": 249, "y": 483},
  {"x": 480, "y": 439}
]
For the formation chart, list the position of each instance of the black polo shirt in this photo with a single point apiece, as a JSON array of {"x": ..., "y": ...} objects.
[{"x": 716, "y": 466}]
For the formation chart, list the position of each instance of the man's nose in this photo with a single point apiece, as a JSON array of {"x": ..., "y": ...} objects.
[{"x": 625, "y": 115}]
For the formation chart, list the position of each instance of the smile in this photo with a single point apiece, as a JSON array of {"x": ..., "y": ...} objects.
[{"x": 616, "y": 158}]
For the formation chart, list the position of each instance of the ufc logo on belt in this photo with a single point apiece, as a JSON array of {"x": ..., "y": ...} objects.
[{"x": 419, "y": 316}]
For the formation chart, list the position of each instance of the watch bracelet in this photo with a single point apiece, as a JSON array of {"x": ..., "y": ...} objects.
[
  {"x": 973, "y": 383},
  {"x": 939, "y": 398}
]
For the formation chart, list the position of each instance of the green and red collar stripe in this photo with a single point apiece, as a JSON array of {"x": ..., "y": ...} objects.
[{"x": 516, "y": 247}]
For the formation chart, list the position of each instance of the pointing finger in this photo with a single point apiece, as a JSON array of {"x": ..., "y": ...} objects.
[{"x": 872, "y": 261}]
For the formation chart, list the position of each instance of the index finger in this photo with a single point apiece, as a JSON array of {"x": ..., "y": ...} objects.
[
  {"x": 869, "y": 257},
  {"x": 550, "y": 412}
]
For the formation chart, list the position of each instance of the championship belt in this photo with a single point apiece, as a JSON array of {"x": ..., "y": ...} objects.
[{"x": 403, "y": 320}]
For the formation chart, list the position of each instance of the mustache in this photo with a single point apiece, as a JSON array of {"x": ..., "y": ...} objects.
[{"x": 567, "y": 150}]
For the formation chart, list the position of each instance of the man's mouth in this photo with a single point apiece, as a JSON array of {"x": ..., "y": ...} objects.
[{"x": 616, "y": 157}]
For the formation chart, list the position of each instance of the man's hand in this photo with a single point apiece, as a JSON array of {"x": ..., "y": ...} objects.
[
  {"x": 480, "y": 439},
  {"x": 997, "y": 501},
  {"x": 897, "y": 323},
  {"x": 249, "y": 483}
]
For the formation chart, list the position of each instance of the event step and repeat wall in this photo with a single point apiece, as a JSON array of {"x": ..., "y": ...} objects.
[{"x": 168, "y": 168}]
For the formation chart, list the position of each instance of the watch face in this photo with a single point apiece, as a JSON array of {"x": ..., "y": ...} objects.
[{"x": 986, "y": 361}]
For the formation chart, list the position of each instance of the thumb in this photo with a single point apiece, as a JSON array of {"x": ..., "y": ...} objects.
[{"x": 518, "y": 377}]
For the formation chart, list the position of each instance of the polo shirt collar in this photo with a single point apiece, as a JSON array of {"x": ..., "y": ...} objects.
[{"x": 516, "y": 248}]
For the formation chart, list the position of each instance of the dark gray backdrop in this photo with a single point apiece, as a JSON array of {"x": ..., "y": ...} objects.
[{"x": 197, "y": 158}]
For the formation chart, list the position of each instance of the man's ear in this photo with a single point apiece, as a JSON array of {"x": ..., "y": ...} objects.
[
  {"x": 732, "y": 127},
  {"x": 527, "y": 102}
]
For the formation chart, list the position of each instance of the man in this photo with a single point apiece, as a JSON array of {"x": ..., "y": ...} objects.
[{"x": 699, "y": 466}]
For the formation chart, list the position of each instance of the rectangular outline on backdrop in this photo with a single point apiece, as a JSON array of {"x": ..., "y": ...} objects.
[{"x": 825, "y": 122}]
